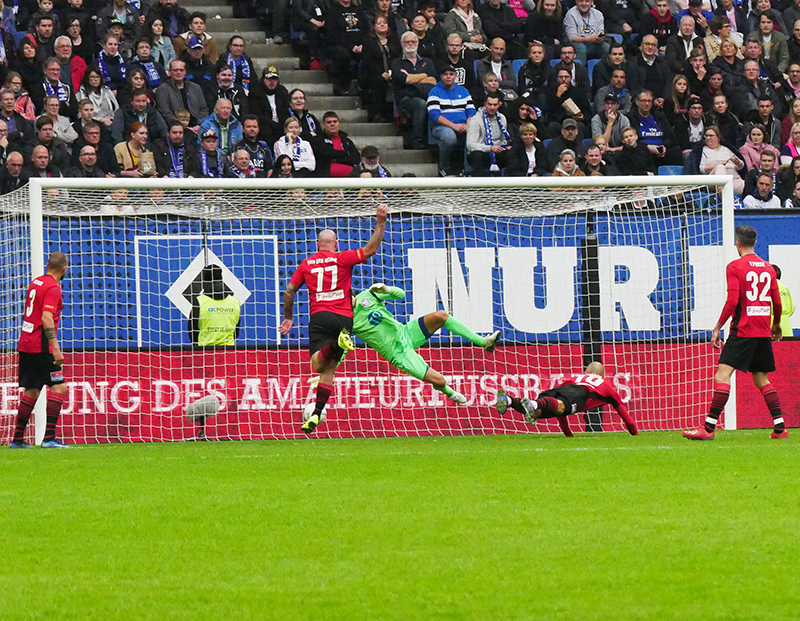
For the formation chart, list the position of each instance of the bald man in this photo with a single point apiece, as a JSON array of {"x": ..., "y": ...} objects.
[
  {"x": 40, "y": 164},
  {"x": 328, "y": 274},
  {"x": 502, "y": 68},
  {"x": 11, "y": 176},
  {"x": 572, "y": 395}
]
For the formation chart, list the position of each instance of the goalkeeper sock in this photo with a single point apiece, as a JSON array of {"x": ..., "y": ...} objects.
[
  {"x": 718, "y": 401},
  {"x": 54, "y": 403},
  {"x": 446, "y": 390},
  {"x": 456, "y": 327},
  {"x": 23, "y": 416},
  {"x": 324, "y": 391},
  {"x": 774, "y": 404},
  {"x": 516, "y": 405}
]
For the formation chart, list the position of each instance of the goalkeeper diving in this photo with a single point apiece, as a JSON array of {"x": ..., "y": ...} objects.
[
  {"x": 397, "y": 342},
  {"x": 579, "y": 393}
]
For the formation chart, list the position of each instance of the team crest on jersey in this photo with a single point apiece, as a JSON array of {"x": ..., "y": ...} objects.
[
  {"x": 374, "y": 318},
  {"x": 366, "y": 303}
]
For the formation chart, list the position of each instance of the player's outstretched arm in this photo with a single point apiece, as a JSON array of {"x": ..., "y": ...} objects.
[
  {"x": 564, "y": 424},
  {"x": 288, "y": 309},
  {"x": 386, "y": 292},
  {"x": 630, "y": 425},
  {"x": 377, "y": 235}
]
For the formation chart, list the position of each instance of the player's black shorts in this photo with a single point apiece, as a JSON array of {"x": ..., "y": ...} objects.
[
  {"x": 573, "y": 396},
  {"x": 748, "y": 354},
  {"x": 37, "y": 370},
  {"x": 324, "y": 328}
]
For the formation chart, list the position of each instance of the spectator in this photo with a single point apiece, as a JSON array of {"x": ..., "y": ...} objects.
[
  {"x": 567, "y": 165},
  {"x": 491, "y": 86},
  {"x": 622, "y": 16},
  {"x": 430, "y": 46},
  {"x": 661, "y": 23},
  {"x": 62, "y": 128},
  {"x": 763, "y": 114},
  {"x": 346, "y": 26},
  {"x": 488, "y": 140},
  {"x": 792, "y": 84},
  {"x": 28, "y": 66},
  {"x": 500, "y": 67},
  {"x": 371, "y": 163},
  {"x": 730, "y": 62},
  {"x": 162, "y": 49},
  {"x": 72, "y": 67},
  {"x": 715, "y": 86},
  {"x": 45, "y": 11},
  {"x": 718, "y": 159},
  {"x": 12, "y": 176},
  {"x": 52, "y": 85},
  {"x": 695, "y": 71},
  {"x": 413, "y": 77},
  {"x": 259, "y": 152},
  {"x": 87, "y": 167},
  {"x": 308, "y": 16},
  {"x": 699, "y": 15},
  {"x": 120, "y": 11},
  {"x": 720, "y": 29},
  {"x": 106, "y": 157},
  {"x": 654, "y": 132},
  {"x": 24, "y": 103},
  {"x": 336, "y": 154},
  {"x": 223, "y": 87},
  {"x": 176, "y": 157},
  {"x": 177, "y": 92},
  {"x": 791, "y": 149},
  {"x": 213, "y": 163},
  {"x": 4, "y": 146},
  {"x": 736, "y": 15},
  {"x": 768, "y": 166},
  {"x": 198, "y": 68},
  {"x": 579, "y": 75},
  {"x": 690, "y": 129},
  {"x": 654, "y": 72},
  {"x": 758, "y": 9},
  {"x": 594, "y": 164},
  {"x": 135, "y": 79},
  {"x": 790, "y": 119},
  {"x": 154, "y": 71},
  {"x": 526, "y": 157},
  {"x": 792, "y": 202},
  {"x": 680, "y": 45},
  {"x": 546, "y": 26},
  {"x": 567, "y": 139},
  {"x": 720, "y": 116},
  {"x": 139, "y": 109},
  {"x": 534, "y": 75},
  {"x": 241, "y": 64},
  {"x": 619, "y": 88},
  {"x": 793, "y": 43},
  {"x": 271, "y": 103},
  {"x": 42, "y": 37},
  {"x": 615, "y": 59},
  {"x": 20, "y": 129},
  {"x": 40, "y": 165},
  {"x": 111, "y": 64},
  {"x": 125, "y": 44},
  {"x": 449, "y": 108},
  {"x": 787, "y": 180},
  {"x": 131, "y": 154},
  {"x": 763, "y": 196},
  {"x": 521, "y": 113},
  {"x": 240, "y": 167},
  {"x": 463, "y": 20},
  {"x": 609, "y": 123},
  {"x": 501, "y": 22},
  {"x": 102, "y": 97},
  {"x": 196, "y": 31},
  {"x": 585, "y": 28},
  {"x": 82, "y": 43},
  {"x": 767, "y": 69},
  {"x": 634, "y": 158},
  {"x": 309, "y": 125},
  {"x": 225, "y": 126},
  {"x": 283, "y": 168},
  {"x": 456, "y": 55},
  {"x": 567, "y": 102},
  {"x": 293, "y": 145},
  {"x": 380, "y": 49},
  {"x": 174, "y": 19},
  {"x": 773, "y": 44},
  {"x": 59, "y": 154}
]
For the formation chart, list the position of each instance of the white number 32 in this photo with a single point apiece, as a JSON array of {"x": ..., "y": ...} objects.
[{"x": 754, "y": 278}]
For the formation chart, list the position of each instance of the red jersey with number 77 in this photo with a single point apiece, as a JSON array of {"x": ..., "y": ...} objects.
[
  {"x": 44, "y": 295},
  {"x": 752, "y": 295},
  {"x": 328, "y": 276}
]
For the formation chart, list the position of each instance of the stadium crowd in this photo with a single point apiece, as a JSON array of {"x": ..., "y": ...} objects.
[{"x": 521, "y": 88}]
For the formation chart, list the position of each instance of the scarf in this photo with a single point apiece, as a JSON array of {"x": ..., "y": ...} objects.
[
  {"x": 176, "y": 171},
  {"x": 295, "y": 146},
  {"x": 153, "y": 79},
  {"x": 101, "y": 62},
  {"x": 136, "y": 4},
  {"x": 490, "y": 139},
  {"x": 243, "y": 174},
  {"x": 204, "y": 167},
  {"x": 234, "y": 65},
  {"x": 60, "y": 91},
  {"x": 312, "y": 126},
  {"x": 467, "y": 18}
]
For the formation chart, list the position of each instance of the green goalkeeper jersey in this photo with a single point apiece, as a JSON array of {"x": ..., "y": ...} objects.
[{"x": 374, "y": 324}]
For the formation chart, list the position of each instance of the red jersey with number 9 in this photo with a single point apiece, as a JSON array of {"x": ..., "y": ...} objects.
[
  {"x": 328, "y": 278},
  {"x": 752, "y": 295},
  {"x": 44, "y": 295}
]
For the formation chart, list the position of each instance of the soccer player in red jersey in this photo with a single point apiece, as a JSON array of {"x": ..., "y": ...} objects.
[
  {"x": 327, "y": 274},
  {"x": 40, "y": 356},
  {"x": 577, "y": 394},
  {"x": 753, "y": 295}
]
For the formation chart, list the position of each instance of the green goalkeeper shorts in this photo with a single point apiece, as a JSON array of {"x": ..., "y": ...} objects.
[{"x": 405, "y": 357}]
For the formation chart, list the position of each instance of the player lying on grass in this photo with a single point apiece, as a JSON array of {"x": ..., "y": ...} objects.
[
  {"x": 397, "y": 342},
  {"x": 577, "y": 394}
]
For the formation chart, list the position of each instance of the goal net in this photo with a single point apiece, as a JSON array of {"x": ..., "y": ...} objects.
[{"x": 621, "y": 271}]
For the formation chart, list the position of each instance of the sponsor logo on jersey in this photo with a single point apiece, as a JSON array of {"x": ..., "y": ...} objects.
[
  {"x": 325, "y": 296},
  {"x": 374, "y": 318},
  {"x": 758, "y": 311},
  {"x": 37, "y": 282},
  {"x": 27, "y": 326},
  {"x": 57, "y": 376}
]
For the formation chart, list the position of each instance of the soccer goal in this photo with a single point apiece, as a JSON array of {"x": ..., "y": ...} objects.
[{"x": 626, "y": 271}]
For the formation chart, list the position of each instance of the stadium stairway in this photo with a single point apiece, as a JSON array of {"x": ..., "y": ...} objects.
[{"x": 319, "y": 92}]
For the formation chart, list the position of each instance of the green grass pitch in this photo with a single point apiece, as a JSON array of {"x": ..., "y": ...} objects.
[{"x": 448, "y": 528}]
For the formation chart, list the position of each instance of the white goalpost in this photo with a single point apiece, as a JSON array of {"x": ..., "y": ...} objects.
[{"x": 628, "y": 271}]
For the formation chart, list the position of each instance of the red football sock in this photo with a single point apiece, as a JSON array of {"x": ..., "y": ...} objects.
[
  {"x": 548, "y": 406},
  {"x": 331, "y": 353},
  {"x": 774, "y": 404},
  {"x": 23, "y": 416},
  {"x": 718, "y": 401},
  {"x": 54, "y": 403},
  {"x": 324, "y": 392}
]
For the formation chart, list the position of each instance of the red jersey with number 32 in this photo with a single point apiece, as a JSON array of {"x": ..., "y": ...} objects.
[
  {"x": 44, "y": 295},
  {"x": 328, "y": 278},
  {"x": 601, "y": 390},
  {"x": 752, "y": 295}
]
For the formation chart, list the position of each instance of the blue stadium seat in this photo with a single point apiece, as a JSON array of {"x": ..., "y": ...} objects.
[
  {"x": 670, "y": 170},
  {"x": 554, "y": 61},
  {"x": 633, "y": 36},
  {"x": 590, "y": 68},
  {"x": 475, "y": 67},
  {"x": 517, "y": 64},
  {"x": 616, "y": 37},
  {"x": 546, "y": 142},
  {"x": 587, "y": 142}
]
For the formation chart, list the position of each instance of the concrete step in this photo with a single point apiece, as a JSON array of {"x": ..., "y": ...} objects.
[
  {"x": 232, "y": 24},
  {"x": 369, "y": 129},
  {"x": 420, "y": 170},
  {"x": 212, "y": 10},
  {"x": 260, "y": 49},
  {"x": 336, "y": 103},
  {"x": 345, "y": 116},
  {"x": 383, "y": 143},
  {"x": 406, "y": 156},
  {"x": 304, "y": 76},
  {"x": 288, "y": 63},
  {"x": 313, "y": 89},
  {"x": 249, "y": 36}
]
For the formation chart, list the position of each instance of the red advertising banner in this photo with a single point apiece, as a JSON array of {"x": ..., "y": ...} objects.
[{"x": 752, "y": 412}]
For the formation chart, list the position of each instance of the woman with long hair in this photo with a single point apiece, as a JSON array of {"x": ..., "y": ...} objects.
[
  {"x": 103, "y": 99},
  {"x": 381, "y": 47},
  {"x": 130, "y": 152},
  {"x": 136, "y": 79},
  {"x": 162, "y": 49},
  {"x": 462, "y": 19},
  {"x": 27, "y": 66},
  {"x": 791, "y": 149},
  {"x": 283, "y": 168},
  {"x": 754, "y": 146},
  {"x": 244, "y": 71},
  {"x": 717, "y": 159},
  {"x": 677, "y": 104},
  {"x": 82, "y": 47},
  {"x": 24, "y": 104},
  {"x": 790, "y": 119}
]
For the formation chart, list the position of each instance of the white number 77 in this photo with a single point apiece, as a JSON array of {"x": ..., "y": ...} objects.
[{"x": 320, "y": 272}]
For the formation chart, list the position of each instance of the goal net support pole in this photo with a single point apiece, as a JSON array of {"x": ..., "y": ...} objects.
[{"x": 645, "y": 256}]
